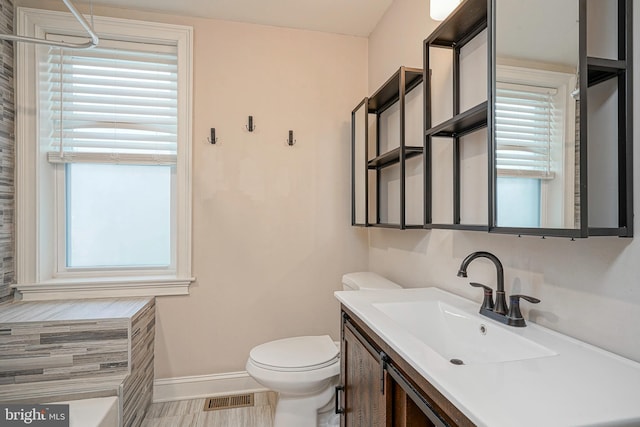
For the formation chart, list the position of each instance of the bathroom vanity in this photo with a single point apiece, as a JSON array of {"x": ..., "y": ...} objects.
[
  {"x": 380, "y": 388},
  {"x": 426, "y": 357}
]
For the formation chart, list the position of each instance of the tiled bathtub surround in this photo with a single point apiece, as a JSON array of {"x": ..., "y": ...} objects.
[
  {"x": 47, "y": 351},
  {"x": 7, "y": 144},
  {"x": 137, "y": 390},
  {"x": 52, "y": 351}
]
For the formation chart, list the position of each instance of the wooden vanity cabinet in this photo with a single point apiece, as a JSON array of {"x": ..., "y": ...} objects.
[
  {"x": 366, "y": 401},
  {"x": 379, "y": 389}
]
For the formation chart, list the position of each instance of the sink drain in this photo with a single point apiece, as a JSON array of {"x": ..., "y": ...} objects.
[{"x": 456, "y": 361}]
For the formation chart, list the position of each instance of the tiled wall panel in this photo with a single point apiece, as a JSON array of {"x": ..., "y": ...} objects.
[
  {"x": 48, "y": 351},
  {"x": 7, "y": 144},
  {"x": 55, "y": 360},
  {"x": 138, "y": 387}
]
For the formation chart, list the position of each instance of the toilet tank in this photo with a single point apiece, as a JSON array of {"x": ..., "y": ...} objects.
[{"x": 366, "y": 280}]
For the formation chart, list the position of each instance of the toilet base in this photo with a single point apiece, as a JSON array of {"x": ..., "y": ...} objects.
[
  {"x": 302, "y": 411},
  {"x": 327, "y": 416}
]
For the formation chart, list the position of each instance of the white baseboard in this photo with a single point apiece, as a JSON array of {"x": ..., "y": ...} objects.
[{"x": 183, "y": 388}]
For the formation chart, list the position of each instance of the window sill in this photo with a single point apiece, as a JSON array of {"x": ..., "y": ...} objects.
[{"x": 104, "y": 287}]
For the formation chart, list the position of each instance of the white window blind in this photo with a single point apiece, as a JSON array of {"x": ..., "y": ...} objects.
[
  {"x": 527, "y": 124},
  {"x": 116, "y": 103}
]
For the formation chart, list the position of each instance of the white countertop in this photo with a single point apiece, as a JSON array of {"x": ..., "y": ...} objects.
[{"x": 581, "y": 385}]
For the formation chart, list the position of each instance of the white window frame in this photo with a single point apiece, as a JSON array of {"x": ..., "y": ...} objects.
[
  {"x": 38, "y": 218},
  {"x": 552, "y": 191}
]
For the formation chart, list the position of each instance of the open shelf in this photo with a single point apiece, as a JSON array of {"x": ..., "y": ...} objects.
[
  {"x": 601, "y": 69},
  {"x": 464, "y": 23},
  {"x": 385, "y": 225},
  {"x": 388, "y": 94},
  {"x": 397, "y": 226},
  {"x": 619, "y": 231},
  {"x": 462, "y": 124},
  {"x": 392, "y": 157},
  {"x": 462, "y": 26},
  {"x": 414, "y": 227},
  {"x": 392, "y": 93},
  {"x": 464, "y": 227}
]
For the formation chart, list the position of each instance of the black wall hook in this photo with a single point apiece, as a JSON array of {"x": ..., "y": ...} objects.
[
  {"x": 212, "y": 139},
  {"x": 250, "y": 126},
  {"x": 291, "y": 141}
]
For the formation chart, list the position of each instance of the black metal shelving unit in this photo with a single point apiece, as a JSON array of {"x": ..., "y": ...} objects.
[
  {"x": 599, "y": 70},
  {"x": 393, "y": 91},
  {"x": 468, "y": 20}
]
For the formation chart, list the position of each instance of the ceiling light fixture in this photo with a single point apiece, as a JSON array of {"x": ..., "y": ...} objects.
[{"x": 440, "y": 9}]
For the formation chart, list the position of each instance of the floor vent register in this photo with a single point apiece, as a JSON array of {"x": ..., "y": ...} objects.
[{"x": 228, "y": 402}]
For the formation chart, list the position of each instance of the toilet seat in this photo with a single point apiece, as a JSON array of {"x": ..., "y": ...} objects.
[{"x": 296, "y": 354}]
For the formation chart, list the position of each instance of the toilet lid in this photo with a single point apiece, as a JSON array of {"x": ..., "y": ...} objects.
[{"x": 296, "y": 354}]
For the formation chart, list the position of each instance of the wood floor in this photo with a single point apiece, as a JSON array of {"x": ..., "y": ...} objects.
[{"x": 191, "y": 413}]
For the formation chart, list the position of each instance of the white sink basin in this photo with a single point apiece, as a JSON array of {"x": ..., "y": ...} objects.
[{"x": 459, "y": 336}]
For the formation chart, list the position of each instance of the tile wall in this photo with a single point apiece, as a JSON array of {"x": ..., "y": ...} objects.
[
  {"x": 104, "y": 349},
  {"x": 137, "y": 389},
  {"x": 49, "y": 351},
  {"x": 7, "y": 144}
]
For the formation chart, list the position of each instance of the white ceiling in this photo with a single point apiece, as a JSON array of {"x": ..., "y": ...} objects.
[{"x": 353, "y": 17}]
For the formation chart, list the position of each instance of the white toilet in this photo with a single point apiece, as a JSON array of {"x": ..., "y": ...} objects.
[{"x": 305, "y": 370}]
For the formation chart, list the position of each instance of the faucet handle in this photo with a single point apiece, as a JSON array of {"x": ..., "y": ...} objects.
[
  {"x": 514, "y": 318},
  {"x": 516, "y": 297},
  {"x": 487, "y": 303}
]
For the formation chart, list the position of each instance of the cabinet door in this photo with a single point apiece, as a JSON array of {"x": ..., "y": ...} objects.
[{"x": 365, "y": 402}]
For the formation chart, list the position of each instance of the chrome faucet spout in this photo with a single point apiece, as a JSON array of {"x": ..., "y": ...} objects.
[{"x": 501, "y": 301}]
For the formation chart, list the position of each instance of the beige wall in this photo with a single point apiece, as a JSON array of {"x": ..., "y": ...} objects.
[
  {"x": 271, "y": 223},
  {"x": 397, "y": 39},
  {"x": 590, "y": 289}
]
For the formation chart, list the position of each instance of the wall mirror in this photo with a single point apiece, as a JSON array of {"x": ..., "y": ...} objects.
[
  {"x": 562, "y": 118},
  {"x": 536, "y": 114}
]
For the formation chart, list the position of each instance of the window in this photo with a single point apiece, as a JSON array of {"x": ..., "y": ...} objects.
[
  {"x": 116, "y": 216},
  {"x": 107, "y": 207}
]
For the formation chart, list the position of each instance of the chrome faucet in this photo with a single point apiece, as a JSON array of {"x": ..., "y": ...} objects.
[{"x": 497, "y": 311}]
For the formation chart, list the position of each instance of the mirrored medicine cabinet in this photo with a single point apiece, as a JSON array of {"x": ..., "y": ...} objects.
[
  {"x": 561, "y": 118},
  {"x": 557, "y": 122}
]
